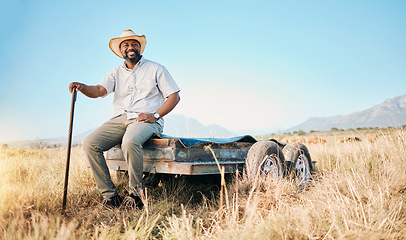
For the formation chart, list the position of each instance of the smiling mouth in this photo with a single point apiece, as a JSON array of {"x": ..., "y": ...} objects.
[{"x": 131, "y": 55}]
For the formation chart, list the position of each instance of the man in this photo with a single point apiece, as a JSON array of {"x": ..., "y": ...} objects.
[{"x": 144, "y": 92}]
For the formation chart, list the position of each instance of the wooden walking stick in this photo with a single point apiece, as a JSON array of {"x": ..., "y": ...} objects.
[{"x": 65, "y": 188}]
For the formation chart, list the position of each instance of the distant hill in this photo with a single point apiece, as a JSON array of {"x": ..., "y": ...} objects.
[
  {"x": 392, "y": 112},
  {"x": 49, "y": 142},
  {"x": 181, "y": 126}
]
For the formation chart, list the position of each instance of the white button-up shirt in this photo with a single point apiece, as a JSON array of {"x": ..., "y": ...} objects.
[{"x": 139, "y": 90}]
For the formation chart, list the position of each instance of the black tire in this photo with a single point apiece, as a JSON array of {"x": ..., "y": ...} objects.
[
  {"x": 151, "y": 179},
  {"x": 266, "y": 159},
  {"x": 298, "y": 159}
]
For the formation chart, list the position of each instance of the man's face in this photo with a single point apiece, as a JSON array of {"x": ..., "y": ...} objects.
[{"x": 130, "y": 50}]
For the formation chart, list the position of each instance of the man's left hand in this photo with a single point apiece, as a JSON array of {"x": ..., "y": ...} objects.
[{"x": 146, "y": 118}]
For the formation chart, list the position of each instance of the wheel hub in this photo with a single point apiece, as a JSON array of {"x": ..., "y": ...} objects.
[
  {"x": 302, "y": 169},
  {"x": 271, "y": 167}
]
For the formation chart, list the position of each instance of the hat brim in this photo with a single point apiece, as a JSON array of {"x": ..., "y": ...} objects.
[{"x": 114, "y": 43}]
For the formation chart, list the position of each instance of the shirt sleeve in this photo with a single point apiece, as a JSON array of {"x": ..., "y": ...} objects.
[
  {"x": 165, "y": 82},
  {"x": 109, "y": 82}
]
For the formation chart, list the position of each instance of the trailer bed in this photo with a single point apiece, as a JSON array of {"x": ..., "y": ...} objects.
[{"x": 187, "y": 156}]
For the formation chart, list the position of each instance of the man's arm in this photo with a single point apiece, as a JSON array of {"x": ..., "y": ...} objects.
[
  {"x": 90, "y": 91},
  {"x": 168, "y": 106}
]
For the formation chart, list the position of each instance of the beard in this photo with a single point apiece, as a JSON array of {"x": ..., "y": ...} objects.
[{"x": 135, "y": 58}]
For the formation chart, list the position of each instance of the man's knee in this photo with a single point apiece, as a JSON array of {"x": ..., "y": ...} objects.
[
  {"x": 88, "y": 145},
  {"x": 128, "y": 144}
]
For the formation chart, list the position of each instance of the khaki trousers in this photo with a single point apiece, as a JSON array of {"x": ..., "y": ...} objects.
[{"x": 131, "y": 134}]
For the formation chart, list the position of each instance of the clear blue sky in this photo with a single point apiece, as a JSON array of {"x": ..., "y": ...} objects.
[{"x": 240, "y": 64}]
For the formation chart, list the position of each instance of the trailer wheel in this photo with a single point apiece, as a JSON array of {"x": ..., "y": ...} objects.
[
  {"x": 148, "y": 179},
  {"x": 265, "y": 159},
  {"x": 151, "y": 179},
  {"x": 300, "y": 165}
]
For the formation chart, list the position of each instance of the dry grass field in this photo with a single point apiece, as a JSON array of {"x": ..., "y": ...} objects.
[{"x": 359, "y": 192}]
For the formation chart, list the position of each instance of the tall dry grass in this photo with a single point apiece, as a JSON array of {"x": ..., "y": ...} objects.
[{"x": 359, "y": 192}]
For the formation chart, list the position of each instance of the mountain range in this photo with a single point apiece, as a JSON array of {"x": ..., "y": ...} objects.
[{"x": 392, "y": 112}]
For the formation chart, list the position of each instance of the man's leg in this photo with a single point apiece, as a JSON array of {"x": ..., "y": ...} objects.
[
  {"x": 103, "y": 138},
  {"x": 136, "y": 135}
]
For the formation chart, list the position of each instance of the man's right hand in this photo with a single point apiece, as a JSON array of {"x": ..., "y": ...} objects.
[
  {"x": 76, "y": 85},
  {"x": 88, "y": 90}
]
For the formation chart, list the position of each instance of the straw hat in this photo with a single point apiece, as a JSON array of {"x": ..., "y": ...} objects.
[{"x": 114, "y": 43}]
